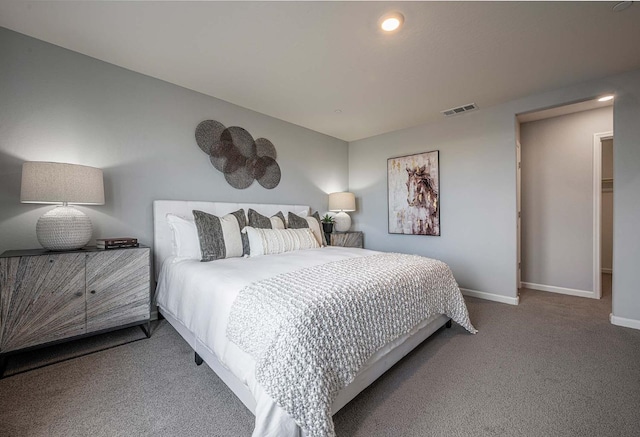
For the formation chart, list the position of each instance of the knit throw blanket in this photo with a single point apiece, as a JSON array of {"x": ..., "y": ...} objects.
[{"x": 311, "y": 330}]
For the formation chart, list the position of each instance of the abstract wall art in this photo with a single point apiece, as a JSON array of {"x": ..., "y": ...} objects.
[
  {"x": 414, "y": 194},
  {"x": 234, "y": 152}
]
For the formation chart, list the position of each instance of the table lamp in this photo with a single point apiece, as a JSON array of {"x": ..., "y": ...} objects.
[
  {"x": 342, "y": 202},
  {"x": 63, "y": 227}
]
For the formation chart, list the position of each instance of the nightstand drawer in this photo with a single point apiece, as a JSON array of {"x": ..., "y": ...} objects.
[
  {"x": 41, "y": 299},
  {"x": 117, "y": 288}
]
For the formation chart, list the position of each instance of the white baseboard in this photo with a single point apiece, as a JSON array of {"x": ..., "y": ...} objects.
[
  {"x": 490, "y": 296},
  {"x": 621, "y": 321},
  {"x": 608, "y": 271},
  {"x": 560, "y": 290}
]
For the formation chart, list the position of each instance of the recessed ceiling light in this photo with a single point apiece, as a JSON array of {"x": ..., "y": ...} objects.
[
  {"x": 605, "y": 98},
  {"x": 391, "y": 22}
]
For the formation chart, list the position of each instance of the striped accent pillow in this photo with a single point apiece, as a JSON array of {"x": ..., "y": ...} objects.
[
  {"x": 257, "y": 220},
  {"x": 220, "y": 237},
  {"x": 312, "y": 222},
  {"x": 273, "y": 241}
]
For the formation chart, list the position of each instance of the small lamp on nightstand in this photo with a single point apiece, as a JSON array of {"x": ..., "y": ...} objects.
[
  {"x": 64, "y": 227},
  {"x": 342, "y": 202}
]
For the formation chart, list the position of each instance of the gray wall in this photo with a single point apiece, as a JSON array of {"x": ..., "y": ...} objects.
[
  {"x": 626, "y": 207},
  {"x": 557, "y": 198},
  {"x": 476, "y": 211},
  {"x": 58, "y": 105},
  {"x": 477, "y": 170}
]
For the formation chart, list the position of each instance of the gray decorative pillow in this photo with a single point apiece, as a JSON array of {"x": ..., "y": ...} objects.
[
  {"x": 313, "y": 222},
  {"x": 297, "y": 222},
  {"x": 259, "y": 221},
  {"x": 220, "y": 237}
]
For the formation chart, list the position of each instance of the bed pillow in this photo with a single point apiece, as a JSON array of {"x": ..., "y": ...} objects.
[
  {"x": 257, "y": 220},
  {"x": 273, "y": 241},
  {"x": 303, "y": 213},
  {"x": 312, "y": 222},
  {"x": 185, "y": 237},
  {"x": 220, "y": 237}
]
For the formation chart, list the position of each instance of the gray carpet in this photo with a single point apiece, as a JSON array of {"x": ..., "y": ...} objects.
[{"x": 552, "y": 366}]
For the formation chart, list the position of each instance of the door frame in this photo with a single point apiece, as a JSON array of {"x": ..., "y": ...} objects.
[
  {"x": 519, "y": 211},
  {"x": 597, "y": 212}
]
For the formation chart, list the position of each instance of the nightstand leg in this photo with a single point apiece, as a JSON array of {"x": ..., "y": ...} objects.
[
  {"x": 448, "y": 324},
  {"x": 198, "y": 359},
  {"x": 146, "y": 328}
]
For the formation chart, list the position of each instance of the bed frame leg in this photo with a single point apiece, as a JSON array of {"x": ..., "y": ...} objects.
[
  {"x": 198, "y": 359},
  {"x": 3, "y": 365},
  {"x": 448, "y": 324}
]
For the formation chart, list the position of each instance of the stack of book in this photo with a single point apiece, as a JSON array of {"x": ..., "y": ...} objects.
[{"x": 116, "y": 243}]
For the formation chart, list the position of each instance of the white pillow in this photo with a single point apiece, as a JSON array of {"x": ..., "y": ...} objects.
[
  {"x": 186, "y": 243},
  {"x": 273, "y": 241},
  {"x": 316, "y": 229},
  {"x": 277, "y": 223}
]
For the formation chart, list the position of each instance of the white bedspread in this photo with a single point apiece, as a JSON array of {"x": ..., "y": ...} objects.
[
  {"x": 200, "y": 296},
  {"x": 312, "y": 330}
]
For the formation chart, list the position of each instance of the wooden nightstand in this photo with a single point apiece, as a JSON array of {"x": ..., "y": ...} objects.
[
  {"x": 347, "y": 239},
  {"x": 49, "y": 297}
]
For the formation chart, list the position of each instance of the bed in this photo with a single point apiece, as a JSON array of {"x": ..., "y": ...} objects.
[{"x": 201, "y": 299}]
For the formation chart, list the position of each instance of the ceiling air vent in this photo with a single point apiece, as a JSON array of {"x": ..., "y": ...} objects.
[{"x": 459, "y": 109}]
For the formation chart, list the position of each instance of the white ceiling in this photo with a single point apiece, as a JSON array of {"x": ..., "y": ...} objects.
[{"x": 302, "y": 61}]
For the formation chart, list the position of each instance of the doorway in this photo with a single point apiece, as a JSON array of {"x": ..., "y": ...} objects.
[{"x": 562, "y": 226}]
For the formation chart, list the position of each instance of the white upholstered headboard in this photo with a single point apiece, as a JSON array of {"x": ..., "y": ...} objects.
[{"x": 162, "y": 235}]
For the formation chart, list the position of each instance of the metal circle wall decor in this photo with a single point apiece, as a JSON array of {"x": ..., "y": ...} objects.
[{"x": 234, "y": 152}]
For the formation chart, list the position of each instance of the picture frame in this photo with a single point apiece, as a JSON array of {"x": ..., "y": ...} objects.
[{"x": 413, "y": 194}]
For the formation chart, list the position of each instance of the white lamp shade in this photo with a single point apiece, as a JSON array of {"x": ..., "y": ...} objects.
[
  {"x": 342, "y": 202},
  {"x": 55, "y": 182}
]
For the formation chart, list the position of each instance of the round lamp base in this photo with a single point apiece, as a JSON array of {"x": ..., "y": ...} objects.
[
  {"x": 64, "y": 228},
  {"x": 342, "y": 222}
]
